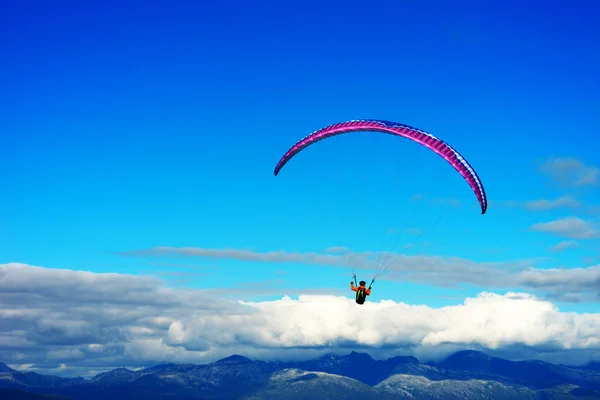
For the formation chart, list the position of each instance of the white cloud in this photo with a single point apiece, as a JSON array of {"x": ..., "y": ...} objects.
[
  {"x": 113, "y": 320},
  {"x": 565, "y": 284},
  {"x": 246, "y": 255},
  {"x": 564, "y": 245},
  {"x": 564, "y": 201},
  {"x": 570, "y": 227},
  {"x": 570, "y": 171},
  {"x": 490, "y": 320},
  {"x": 430, "y": 270}
]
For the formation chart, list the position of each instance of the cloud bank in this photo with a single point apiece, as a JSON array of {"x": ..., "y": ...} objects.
[
  {"x": 71, "y": 322},
  {"x": 431, "y": 270}
]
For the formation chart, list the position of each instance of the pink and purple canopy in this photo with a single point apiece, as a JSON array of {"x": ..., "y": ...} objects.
[{"x": 393, "y": 128}]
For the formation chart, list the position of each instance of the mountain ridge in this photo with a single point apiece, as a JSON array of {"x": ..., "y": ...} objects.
[{"x": 464, "y": 374}]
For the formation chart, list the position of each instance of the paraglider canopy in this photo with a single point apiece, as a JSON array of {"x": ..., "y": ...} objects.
[{"x": 453, "y": 157}]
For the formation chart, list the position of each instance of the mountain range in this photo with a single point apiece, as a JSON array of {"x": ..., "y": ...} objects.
[{"x": 463, "y": 375}]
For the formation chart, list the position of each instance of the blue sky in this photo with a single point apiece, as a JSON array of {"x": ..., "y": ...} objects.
[{"x": 128, "y": 125}]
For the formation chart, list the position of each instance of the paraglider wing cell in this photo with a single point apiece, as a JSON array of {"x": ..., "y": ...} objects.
[{"x": 393, "y": 128}]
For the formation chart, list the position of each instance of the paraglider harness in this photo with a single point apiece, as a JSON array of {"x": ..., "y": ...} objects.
[{"x": 361, "y": 296}]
